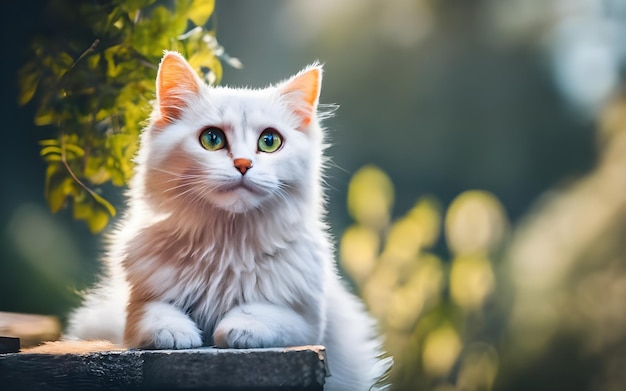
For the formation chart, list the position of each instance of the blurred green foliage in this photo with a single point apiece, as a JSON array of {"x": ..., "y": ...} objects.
[{"x": 95, "y": 89}]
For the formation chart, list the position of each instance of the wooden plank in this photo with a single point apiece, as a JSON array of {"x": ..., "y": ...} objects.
[
  {"x": 297, "y": 368},
  {"x": 31, "y": 329}
]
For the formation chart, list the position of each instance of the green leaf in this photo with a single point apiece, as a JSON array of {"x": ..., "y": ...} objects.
[
  {"x": 29, "y": 80},
  {"x": 75, "y": 149},
  {"x": 152, "y": 35},
  {"x": 112, "y": 68},
  {"x": 65, "y": 62},
  {"x": 52, "y": 157},
  {"x": 200, "y": 11},
  {"x": 118, "y": 176},
  {"x": 82, "y": 209},
  {"x": 104, "y": 203},
  {"x": 47, "y": 142},
  {"x": 95, "y": 170},
  {"x": 93, "y": 61},
  {"x": 44, "y": 116},
  {"x": 52, "y": 149},
  {"x": 97, "y": 221},
  {"x": 56, "y": 186},
  {"x": 206, "y": 59}
]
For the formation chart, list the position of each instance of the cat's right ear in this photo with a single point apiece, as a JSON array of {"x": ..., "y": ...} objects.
[
  {"x": 176, "y": 84},
  {"x": 302, "y": 93}
]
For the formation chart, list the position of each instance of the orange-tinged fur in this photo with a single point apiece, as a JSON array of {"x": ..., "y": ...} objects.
[
  {"x": 176, "y": 81},
  {"x": 307, "y": 86},
  {"x": 134, "y": 313}
]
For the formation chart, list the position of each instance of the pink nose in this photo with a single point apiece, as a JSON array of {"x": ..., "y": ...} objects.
[{"x": 243, "y": 165}]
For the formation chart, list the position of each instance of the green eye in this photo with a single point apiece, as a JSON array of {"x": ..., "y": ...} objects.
[
  {"x": 212, "y": 139},
  {"x": 270, "y": 140}
]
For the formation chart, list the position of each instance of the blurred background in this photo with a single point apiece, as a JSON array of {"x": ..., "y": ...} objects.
[{"x": 477, "y": 190}]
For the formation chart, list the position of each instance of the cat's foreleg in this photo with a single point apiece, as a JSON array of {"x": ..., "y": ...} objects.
[
  {"x": 159, "y": 325},
  {"x": 261, "y": 325}
]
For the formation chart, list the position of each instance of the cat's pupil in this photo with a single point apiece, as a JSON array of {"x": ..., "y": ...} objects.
[
  {"x": 268, "y": 139},
  {"x": 213, "y": 138}
]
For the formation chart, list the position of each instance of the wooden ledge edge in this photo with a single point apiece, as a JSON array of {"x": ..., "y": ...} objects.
[
  {"x": 102, "y": 346},
  {"x": 91, "y": 366}
]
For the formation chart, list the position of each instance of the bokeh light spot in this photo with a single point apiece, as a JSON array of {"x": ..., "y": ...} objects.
[
  {"x": 475, "y": 222},
  {"x": 370, "y": 197},
  {"x": 358, "y": 251},
  {"x": 471, "y": 280},
  {"x": 441, "y": 349}
]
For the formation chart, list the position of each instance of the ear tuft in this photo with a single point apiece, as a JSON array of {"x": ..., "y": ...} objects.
[
  {"x": 302, "y": 93},
  {"x": 176, "y": 83}
]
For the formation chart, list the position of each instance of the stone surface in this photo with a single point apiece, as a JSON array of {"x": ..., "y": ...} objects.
[{"x": 298, "y": 368}]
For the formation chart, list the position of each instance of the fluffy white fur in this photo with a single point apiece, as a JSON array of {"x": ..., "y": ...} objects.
[{"x": 220, "y": 258}]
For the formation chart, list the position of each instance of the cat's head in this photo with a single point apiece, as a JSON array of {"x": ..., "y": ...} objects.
[{"x": 234, "y": 149}]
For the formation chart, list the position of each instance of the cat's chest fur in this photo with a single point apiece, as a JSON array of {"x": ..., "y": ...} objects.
[{"x": 225, "y": 262}]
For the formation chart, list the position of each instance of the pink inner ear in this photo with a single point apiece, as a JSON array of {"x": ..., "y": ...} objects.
[
  {"x": 176, "y": 83},
  {"x": 302, "y": 92}
]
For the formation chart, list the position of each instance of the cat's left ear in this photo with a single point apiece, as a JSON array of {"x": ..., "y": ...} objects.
[
  {"x": 302, "y": 93},
  {"x": 177, "y": 83}
]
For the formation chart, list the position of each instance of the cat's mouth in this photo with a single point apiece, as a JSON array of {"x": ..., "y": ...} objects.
[{"x": 238, "y": 186}]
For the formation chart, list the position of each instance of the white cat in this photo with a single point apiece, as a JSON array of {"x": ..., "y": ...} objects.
[{"x": 224, "y": 241}]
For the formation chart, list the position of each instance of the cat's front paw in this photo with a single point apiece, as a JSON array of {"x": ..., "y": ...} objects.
[
  {"x": 165, "y": 327},
  {"x": 243, "y": 331},
  {"x": 182, "y": 335}
]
